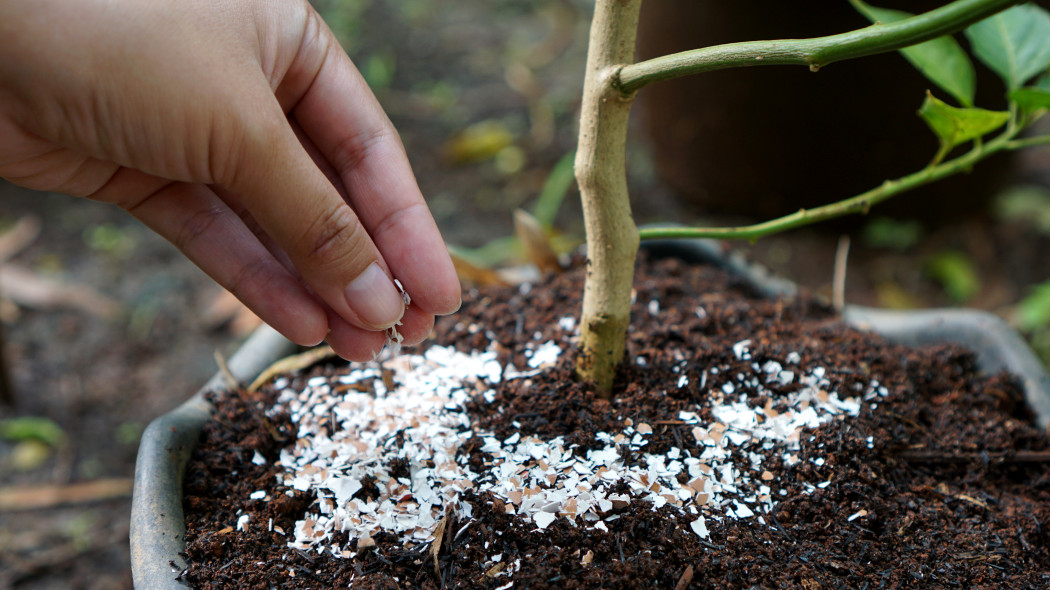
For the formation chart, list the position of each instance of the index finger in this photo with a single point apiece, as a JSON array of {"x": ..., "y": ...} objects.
[{"x": 344, "y": 120}]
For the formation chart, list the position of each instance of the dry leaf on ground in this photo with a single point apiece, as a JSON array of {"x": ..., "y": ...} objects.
[
  {"x": 35, "y": 290},
  {"x": 23, "y": 233},
  {"x": 537, "y": 244},
  {"x": 34, "y": 497}
]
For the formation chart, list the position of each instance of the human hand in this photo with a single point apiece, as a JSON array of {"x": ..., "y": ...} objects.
[{"x": 240, "y": 131}]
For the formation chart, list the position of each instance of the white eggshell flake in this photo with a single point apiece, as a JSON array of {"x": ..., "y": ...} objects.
[
  {"x": 543, "y": 519},
  {"x": 699, "y": 527}
]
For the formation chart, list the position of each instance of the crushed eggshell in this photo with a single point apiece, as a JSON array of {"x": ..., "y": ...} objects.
[
  {"x": 412, "y": 410},
  {"x": 699, "y": 527},
  {"x": 856, "y": 515}
]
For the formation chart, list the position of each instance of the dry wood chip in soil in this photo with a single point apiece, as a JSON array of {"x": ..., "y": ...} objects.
[{"x": 752, "y": 443}]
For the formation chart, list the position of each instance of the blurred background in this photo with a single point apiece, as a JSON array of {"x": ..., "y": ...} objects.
[{"x": 106, "y": 326}]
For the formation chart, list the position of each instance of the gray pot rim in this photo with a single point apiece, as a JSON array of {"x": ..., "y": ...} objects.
[
  {"x": 158, "y": 525},
  {"x": 157, "y": 520}
]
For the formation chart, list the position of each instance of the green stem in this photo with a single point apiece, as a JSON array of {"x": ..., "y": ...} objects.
[
  {"x": 858, "y": 204},
  {"x": 1018, "y": 144},
  {"x": 941, "y": 153},
  {"x": 815, "y": 53}
]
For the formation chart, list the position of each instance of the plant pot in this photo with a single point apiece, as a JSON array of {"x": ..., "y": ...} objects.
[
  {"x": 157, "y": 520},
  {"x": 157, "y": 515}
]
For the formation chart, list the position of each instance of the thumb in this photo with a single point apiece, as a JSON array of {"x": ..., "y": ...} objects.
[{"x": 301, "y": 210}]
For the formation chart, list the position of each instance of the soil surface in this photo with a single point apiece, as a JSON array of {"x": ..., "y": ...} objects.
[
  {"x": 485, "y": 96},
  {"x": 944, "y": 483}
]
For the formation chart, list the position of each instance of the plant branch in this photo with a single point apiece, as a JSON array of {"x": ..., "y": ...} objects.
[
  {"x": 858, "y": 204},
  {"x": 814, "y": 53},
  {"x": 1018, "y": 144}
]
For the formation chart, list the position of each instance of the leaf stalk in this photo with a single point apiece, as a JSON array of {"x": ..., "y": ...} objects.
[{"x": 814, "y": 53}]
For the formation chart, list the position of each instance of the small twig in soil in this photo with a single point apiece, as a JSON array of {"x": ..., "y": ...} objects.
[
  {"x": 779, "y": 528},
  {"x": 231, "y": 381},
  {"x": 291, "y": 364},
  {"x": 838, "y": 290},
  {"x": 678, "y": 438}
]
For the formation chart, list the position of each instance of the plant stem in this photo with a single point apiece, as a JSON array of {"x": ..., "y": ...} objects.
[
  {"x": 815, "y": 53},
  {"x": 1028, "y": 142},
  {"x": 858, "y": 204},
  {"x": 612, "y": 237}
]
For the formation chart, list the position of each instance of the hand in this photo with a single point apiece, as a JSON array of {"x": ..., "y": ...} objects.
[{"x": 240, "y": 131}]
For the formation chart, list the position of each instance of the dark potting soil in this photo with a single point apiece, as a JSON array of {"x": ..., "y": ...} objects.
[{"x": 944, "y": 484}]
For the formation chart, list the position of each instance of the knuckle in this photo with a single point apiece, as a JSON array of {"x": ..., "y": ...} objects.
[
  {"x": 400, "y": 221},
  {"x": 355, "y": 149},
  {"x": 250, "y": 278},
  {"x": 197, "y": 225},
  {"x": 233, "y": 142},
  {"x": 334, "y": 238}
]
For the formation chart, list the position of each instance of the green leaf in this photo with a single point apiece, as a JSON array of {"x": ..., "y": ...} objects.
[
  {"x": 1025, "y": 204},
  {"x": 559, "y": 181},
  {"x": 31, "y": 428},
  {"x": 491, "y": 254},
  {"x": 954, "y": 126},
  {"x": 956, "y": 274},
  {"x": 1043, "y": 83},
  {"x": 1033, "y": 312},
  {"x": 481, "y": 141},
  {"x": 128, "y": 433},
  {"x": 378, "y": 70},
  {"x": 1034, "y": 97},
  {"x": 1014, "y": 43},
  {"x": 886, "y": 232},
  {"x": 1031, "y": 99},
  {"x": 942, "y": 60}
]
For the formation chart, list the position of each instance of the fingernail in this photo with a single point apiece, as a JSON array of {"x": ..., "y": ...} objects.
[{"x": 375, "y": 299}]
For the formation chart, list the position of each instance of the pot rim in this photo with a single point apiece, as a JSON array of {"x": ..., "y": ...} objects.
[{"x": 158, "y": 526}]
